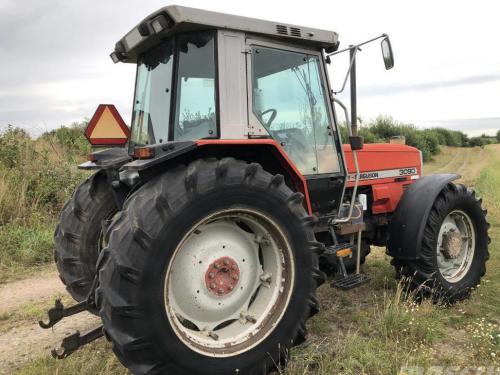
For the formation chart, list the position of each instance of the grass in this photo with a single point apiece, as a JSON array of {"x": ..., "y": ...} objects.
[
  {"x": 36, "y": 177},
  {"x": 93, "y": 359},
  {"x": 30, "y": 312},
  {"x": 374, "y": 329}
]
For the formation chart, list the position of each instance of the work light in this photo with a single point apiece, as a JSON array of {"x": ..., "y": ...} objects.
[{"x": 160, "y": 23}]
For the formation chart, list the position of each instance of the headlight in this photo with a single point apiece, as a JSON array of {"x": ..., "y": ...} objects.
[
  {"x": 116, "y": 57},
  {"x": 160, "y": 23},
  {"x": 132, "y": 39}
]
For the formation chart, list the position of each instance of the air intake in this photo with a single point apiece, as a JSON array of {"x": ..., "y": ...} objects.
[
  {"x": 295, "y": 31},
  {"x": 282, "y": 29}
]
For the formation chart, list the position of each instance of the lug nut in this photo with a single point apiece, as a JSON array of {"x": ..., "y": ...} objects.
[
  {"x": 216, "y": 266},
  {"x": 230, "y": 287},
  {"x": 235, "y": 277},
  {"x": 226, "y": 262},
  {"x": 211, "y": 275},
  {"x": 221, "y": 291},
  {"x": 212, "y": 286},
  {"x": 234, "y": 267},
  {"x": 245, "y": 317},
  {"x": 213, "y": 335}
]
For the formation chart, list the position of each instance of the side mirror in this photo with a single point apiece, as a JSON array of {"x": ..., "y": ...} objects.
[{"x": 387, "y": 53}]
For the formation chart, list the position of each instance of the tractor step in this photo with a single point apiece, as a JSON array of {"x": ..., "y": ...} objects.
[
  {"x": 341, "y": 250},
  {"x": 351, "y": 281}
]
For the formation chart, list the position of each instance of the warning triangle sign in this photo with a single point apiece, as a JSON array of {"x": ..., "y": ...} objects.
[{"x": 107, "y": 127}]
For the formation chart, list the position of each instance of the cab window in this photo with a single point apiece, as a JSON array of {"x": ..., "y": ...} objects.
[
  {"x": 288, "y": 98},
  {"x": 195, "y": 89}
]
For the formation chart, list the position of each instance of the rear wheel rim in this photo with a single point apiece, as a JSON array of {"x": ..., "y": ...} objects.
[
  {"x": 229, "y": 282},
  {"x": 456, "y": 246}
]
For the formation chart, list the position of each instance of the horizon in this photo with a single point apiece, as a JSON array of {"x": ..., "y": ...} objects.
[{"x": 467, "y": 126}]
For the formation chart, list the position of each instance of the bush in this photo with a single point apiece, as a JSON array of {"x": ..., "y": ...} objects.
[
  {"x": 476, "y": 141},
  {"x": 426, "y": 140},
  {"x": 36, "y": 177},
  {"x": 12, "y": 144},
  {"x": 451, "y": 137},
  {"x": 71, "y": 139}
]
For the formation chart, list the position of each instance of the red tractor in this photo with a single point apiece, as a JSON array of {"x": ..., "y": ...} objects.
[{"x": 202, "y": 242}]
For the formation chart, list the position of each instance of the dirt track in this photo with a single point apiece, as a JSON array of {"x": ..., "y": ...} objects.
[{"x": 25, "y": 340}]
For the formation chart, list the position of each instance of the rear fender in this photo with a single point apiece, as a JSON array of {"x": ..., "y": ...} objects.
[
  {"x": 408, "y": 222},
  {"x": 267, "y": 152}
]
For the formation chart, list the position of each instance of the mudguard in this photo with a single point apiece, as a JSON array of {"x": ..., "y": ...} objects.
[
  {"x": 121, "y": 161},
  {"x": 408, "y": 222}
]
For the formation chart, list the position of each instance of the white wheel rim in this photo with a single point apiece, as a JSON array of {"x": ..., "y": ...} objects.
[
  {"x": 252, "y": 291},
  {"x": 454, "y": 268}
]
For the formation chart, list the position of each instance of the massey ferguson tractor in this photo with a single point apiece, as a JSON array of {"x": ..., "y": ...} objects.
[{"x": 201, "y": 242}]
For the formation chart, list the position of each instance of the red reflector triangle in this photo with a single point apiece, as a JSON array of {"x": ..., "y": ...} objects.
[{"x": 107, "y": 127}]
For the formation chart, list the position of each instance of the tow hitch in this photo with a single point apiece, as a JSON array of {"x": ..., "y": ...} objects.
[{"x": 74, "y": 341}]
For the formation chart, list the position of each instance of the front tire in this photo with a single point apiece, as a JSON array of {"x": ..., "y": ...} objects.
[
  {"x": 454, "y": 247},
  {"x": 180, "y": 255}
]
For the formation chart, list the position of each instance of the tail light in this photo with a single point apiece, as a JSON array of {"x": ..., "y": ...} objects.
[{"x": 144, "y": 153}]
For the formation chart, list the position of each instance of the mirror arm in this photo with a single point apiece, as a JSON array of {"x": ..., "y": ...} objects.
[
  {"x": 354, "y": 102},
  {"x": 351, "y": 48},
  {"x": 356, "y": 46},
  {"x": 353, "y": 52}
]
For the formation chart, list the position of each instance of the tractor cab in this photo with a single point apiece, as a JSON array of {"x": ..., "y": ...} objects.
[{"x": 209, "y": 76}]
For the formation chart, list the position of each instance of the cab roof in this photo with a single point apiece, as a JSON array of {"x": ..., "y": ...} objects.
[{"x": 180, "y": 19}]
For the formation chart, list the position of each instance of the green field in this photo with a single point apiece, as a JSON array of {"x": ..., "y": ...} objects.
[{"x": 370, "y": 330}]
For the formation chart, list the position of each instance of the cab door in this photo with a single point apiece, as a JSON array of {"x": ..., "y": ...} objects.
[{"x": 288, "y": 99}]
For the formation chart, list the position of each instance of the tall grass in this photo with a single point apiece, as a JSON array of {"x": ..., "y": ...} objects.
[{"x": 36, "y": 177}]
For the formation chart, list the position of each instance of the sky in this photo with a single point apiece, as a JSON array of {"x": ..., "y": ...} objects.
[{"x": 55, "y": 66}]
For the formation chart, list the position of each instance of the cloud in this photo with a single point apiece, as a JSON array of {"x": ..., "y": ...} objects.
[
  {"x": 428, "y": 86},
  {"x": 55, "y": 66}
]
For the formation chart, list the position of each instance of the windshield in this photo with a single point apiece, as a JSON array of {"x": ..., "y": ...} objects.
[
  {"x": 187, "y": 89},
  {"x": 151, "y": 113}
]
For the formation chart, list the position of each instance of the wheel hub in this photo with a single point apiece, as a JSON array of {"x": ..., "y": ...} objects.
[
  {"x": 456, "y": 246},
  {"x": 452, "y": 244},
  {"x": 222, "y": 276},
  {"x": 229, "y": 282}
]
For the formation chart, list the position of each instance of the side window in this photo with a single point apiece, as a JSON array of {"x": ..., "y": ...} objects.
[
  {"x": 195, "y": 92},
  {"x": 150, "y": 116},
  {"x": 289, "y": 100}
]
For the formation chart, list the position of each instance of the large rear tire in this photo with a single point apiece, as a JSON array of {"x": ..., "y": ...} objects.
[
  {"x": 78, "y": 235},
  {"x": 210, "y": 269},
  {"x": 454, "y": 247}
]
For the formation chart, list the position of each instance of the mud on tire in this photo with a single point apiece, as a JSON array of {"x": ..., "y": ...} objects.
[
  {"x": 142, "y": 241},
  {"x": 78, "y": 234},
  {"x": 423, "y": 275}
]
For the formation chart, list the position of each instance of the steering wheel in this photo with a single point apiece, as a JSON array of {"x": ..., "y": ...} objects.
[{"x": 271, "y": 119}]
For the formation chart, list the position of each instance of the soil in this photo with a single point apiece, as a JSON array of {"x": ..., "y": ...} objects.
[{"x": 25, "y": 340}]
